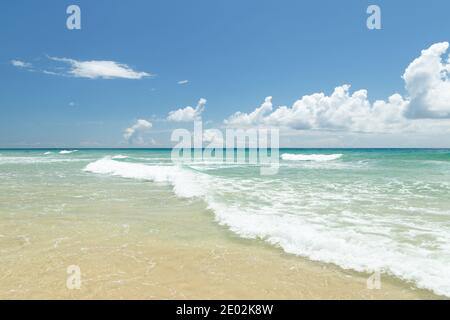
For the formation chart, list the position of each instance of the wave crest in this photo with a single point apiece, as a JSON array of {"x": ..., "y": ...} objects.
[
  {"x": 119, "y": 156},
  {"x": 182, "y": 180},
  {"x": 67, "y": 151}
]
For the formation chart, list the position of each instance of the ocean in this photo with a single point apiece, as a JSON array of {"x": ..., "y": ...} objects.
[{"x": 366, "y": 210}]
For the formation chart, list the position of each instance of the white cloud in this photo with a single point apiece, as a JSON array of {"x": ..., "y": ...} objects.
[
  {"x": 427, "y": 84},
  {"x": 95, "y": 69},
  {"x": 183, "y": 82},
  {"x": 133, "y": 134},
  {"x": 188, "y": 114},
  {"x": 254, "y": 118},
  {"x": 21, "y": 64},
  {"x": 52, "y": 73},
  {"x": 341, "y": 110}
]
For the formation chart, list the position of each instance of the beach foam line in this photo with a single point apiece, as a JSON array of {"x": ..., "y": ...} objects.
[{"x": 310, "y": 157}]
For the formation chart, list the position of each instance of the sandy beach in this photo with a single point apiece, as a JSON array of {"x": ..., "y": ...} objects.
[{"x": 170, "y": 256}]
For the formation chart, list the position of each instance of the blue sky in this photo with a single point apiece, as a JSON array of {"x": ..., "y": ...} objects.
[{"x": 233, "y": 53}]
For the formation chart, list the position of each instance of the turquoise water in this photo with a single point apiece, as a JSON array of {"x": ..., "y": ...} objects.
[{"x": 367, "y": 210}]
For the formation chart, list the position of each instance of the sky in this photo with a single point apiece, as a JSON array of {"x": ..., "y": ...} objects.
[{"x": 137, "y": 70}]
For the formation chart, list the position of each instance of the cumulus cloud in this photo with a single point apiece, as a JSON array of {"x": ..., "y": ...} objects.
[
  {"x": 188, "y": 114},
  {"x": 428, "y": 85},
  {"x": 21, "y": 64},
  {"x": 134, "y": 133},
  {"x": 341, "y": 110},
  {"x": 254, "y": 118},
  {"x": 183, "y": 82},
  {"x": 428, "y": 96},
  {"x": 95, "y": 69}
]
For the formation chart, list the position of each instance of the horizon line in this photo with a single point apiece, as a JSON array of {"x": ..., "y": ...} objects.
[{"x": 171, "y": 148}]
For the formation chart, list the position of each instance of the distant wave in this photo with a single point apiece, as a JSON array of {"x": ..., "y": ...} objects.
[
  {"x": 47, "y": 153},
  {"x": 35, "y": 160},
  {"x": 119, "y": 156},
  {"x": 310, "y": 157},
  {"x": 67, "y": 151}
]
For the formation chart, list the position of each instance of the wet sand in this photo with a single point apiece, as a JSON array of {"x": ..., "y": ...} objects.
[{"x": 168, "y": 255}]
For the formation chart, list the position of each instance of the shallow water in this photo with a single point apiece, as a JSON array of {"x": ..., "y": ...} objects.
[{"x": 363, "y": 210}]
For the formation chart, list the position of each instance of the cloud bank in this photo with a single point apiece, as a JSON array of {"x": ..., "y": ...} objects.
[
  {"x": 341, "y": 110},
  {"x": 428, "y": 96}
]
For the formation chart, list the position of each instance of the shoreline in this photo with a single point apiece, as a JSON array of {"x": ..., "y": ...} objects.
[{"x": 216, "y": 264}]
